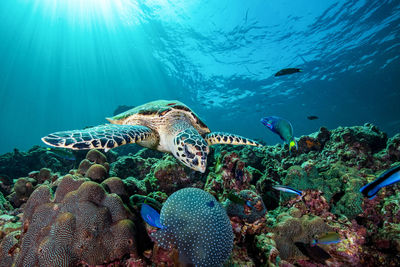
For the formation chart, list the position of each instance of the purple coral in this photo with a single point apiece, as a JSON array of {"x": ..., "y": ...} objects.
[{"x": 82, "y": 223}]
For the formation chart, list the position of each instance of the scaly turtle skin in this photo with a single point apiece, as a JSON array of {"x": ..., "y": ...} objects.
[{"x": 166, "y": 126}]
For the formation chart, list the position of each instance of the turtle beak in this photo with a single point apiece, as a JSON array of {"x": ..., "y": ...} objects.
[{"x": 202, "y": 166}]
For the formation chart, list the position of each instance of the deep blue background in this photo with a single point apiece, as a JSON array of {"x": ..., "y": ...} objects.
[{"x": 68, "y": 64}]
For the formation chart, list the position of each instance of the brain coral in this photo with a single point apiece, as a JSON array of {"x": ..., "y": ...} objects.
[
  {"x": 198, "y": 226},
  {"x": 80, "y": 224}
]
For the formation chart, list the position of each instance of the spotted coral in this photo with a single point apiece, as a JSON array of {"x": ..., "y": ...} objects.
[{"x": 198, "y": 226}]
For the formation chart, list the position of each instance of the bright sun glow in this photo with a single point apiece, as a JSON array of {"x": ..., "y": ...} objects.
[{"x": 86, "y": 12}]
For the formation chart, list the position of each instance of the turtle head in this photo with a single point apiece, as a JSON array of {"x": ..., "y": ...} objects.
[{"x": 191, "y": 149}]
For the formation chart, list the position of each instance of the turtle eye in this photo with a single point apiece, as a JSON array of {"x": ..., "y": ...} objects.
[{"x": 187, "y": 151}]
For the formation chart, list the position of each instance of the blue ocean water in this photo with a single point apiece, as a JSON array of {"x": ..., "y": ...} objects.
[{"x": 69, "y": 64}]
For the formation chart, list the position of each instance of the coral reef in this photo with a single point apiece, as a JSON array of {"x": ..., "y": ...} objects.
[
  {"x": 135, "y": 166},
  {"x": 116, "y": 185},
  {"x": 4, "y": 204},
  {"x": 19, "y": 164},
  {"x": 80, "y": 223},
  {"x": 22, "y": 189},
  {"x": 7, "y": 248},
  {"x": 94, "y": 166},
  {"x": 252, "y": 210},
  {"x": 96, "y": 172},
  {"x": 228, "y": 174},
  {"x": 43, "y": 175},
  {"x": 56, "y": 212},
  {"x": 171, "y": 176},
  {"x": 289, "y": 230},
  {"x": 392, "y": 152}
]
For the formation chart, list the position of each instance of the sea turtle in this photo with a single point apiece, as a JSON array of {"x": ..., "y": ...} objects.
[{"x": 166, "y": 126}]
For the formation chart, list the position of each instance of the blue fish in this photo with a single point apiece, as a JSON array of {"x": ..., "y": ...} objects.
[
  {"x": 287, "y": 189},
  {"x": 239, "y": 200},
  {"x": 281, "y": 127},
  {"x": 151, "y": 216},
  {"x": 389, "y": 177},
  {"x": 248, "y": 203}
]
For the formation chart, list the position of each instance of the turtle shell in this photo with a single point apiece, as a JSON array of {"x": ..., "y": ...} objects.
[{"x": 156, "y": 110}]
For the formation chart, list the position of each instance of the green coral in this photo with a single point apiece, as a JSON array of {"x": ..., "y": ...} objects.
[
  {"x": 290, "y": 230},
  {"x": 4, "y": 204},
  {"x": 266, "y": 246},
  {"x": 340, "y": 185}
]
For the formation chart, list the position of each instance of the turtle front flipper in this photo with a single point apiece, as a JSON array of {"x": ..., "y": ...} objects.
[
  {"x": 103, "y": 137},
  {"x": 229, "y": 139}
]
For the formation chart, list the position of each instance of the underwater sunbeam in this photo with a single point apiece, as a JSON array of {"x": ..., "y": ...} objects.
[{"x": 89, "y": 11}]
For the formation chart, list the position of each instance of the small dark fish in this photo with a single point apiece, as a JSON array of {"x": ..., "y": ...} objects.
[
  {"x": 287, "y": 189},
  {"x": 389, "y": 177},
  {"x": 326, "y": 239},
  {"x": 122, "y": 108},
  {"x": 315, "y": 253},
  {"x": 151, "y": 216},
  {"x": 62, "y": 153},
  {"x": 312, "y": 118},
  {"x": 287, "y": 71},
  {"x": 281, "y": 127}
]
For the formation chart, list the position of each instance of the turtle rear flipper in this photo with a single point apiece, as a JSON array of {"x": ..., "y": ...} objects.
[
  {"x": 229, "y": 139},
  {"x": 103, "y": 137}
]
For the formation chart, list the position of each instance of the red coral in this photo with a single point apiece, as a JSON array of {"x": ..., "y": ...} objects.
[
  {"x": 306, "y": 144},
  {"x": 242, "y": 228},
  {"x": 311, "y": 202},
  {"x": 234, "y": 174}
]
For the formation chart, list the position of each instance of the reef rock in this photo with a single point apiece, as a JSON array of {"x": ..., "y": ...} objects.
[
  {"x": 171, "y": 176},
  {"x": 132, "y": 166},
  {"x": 22, "y": 189},
  {"x": 19, "y": 164},
  {"x": 252, "y": 210},
  {"x": 229, "y": 174},
  {"x": 290, "y": 230},
  {"x": 4, "y": 204}
]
